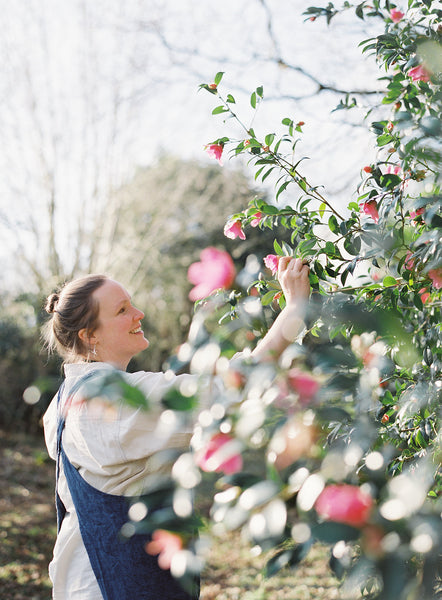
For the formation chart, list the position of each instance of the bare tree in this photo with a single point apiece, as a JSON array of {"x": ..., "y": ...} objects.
[{"x": 91, "y": 90}]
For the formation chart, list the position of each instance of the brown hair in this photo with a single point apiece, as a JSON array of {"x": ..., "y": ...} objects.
[{"x": 72, "y": 308}]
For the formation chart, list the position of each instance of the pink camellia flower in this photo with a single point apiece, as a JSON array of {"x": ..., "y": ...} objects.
[
  {"x": 166, "y": 544},
  {"x": 215, "y": 151},
  {"x": 344, "y": 503},
  {"x": 419, "y": 73},
  {"x": 271, "y": 262},
  {"x": 295, "y": 439},
  {"x": 416, "y": 213},
  {"x": 396, "y": 15},
  {"x": 394, "y": 169},
  {"x": 233, "y": 229},
  {"x": 409, "y": 261},
  {"x": 216, "y": 270},
  {"x": 216, "y": 456},
  {"x": 304, "y": 384},
  {"x": 257, "y": 219},
  {"x": 425, "y": 295},
  {"x": 436, "y": 276},
  {"x": 371, "y": 208}
]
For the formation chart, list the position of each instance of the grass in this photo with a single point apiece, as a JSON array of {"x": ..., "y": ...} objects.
[{"x": 27, "y": 534}]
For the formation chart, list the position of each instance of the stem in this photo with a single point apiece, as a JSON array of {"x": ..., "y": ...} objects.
[{"x": 289, "y": 169}]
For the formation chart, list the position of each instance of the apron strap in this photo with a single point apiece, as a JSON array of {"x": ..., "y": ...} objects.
[{"x": 122, "y": 567}]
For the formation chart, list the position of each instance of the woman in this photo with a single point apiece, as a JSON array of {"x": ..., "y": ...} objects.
[{"x": 102, "y": 450}]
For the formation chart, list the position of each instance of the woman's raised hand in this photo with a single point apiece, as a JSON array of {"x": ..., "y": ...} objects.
[{"x": 293, "y": 277}]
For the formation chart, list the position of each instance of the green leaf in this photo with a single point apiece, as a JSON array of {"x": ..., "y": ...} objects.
[
  {"x": 267, "y": 173},
  {"x": 287, "y": 558},
  {"x": 175, "y": 400},
  {"x": 417, "y": 300},
  {"x": 253, "y": 100},
  {"x": 352, "y": 245},
  {"x": 384, "y": 139},
  {"x": 268, "y": 297},
  {"x": 133, "y": 396},
  {"x": 218, "y": 77},
  {"x": 269, "y": 139},
  {"x": 289, "y": 123},
  {"x": 230, "y": 99},
  {"x": 269, "y": 209},
  {"x": 330, "y": 249},
  {"x": 389, "y": 281},
  {"x": 219, "y": 109},
  {"x": 322, "y": 208},
  {"x": 333, "y": 224},
  {"x": 282, "y": 188},
  {"x": 305, "y": 248},
  {"x": 331, "y": 533},
  {"x": 277, "y": 248},
  {"x": 260, "y": 91}
]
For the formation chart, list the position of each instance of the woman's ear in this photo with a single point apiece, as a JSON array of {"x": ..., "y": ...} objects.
[{"x": 86, "y": 337}]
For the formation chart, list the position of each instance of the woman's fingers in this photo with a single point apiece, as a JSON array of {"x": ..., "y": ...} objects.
[{"x": 293, "y": 264}]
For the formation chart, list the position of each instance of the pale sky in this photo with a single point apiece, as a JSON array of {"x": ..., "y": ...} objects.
[{"x": 91, "y": 90}]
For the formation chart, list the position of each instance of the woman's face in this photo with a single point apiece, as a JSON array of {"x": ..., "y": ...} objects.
[{"x": 118, "y": 336}]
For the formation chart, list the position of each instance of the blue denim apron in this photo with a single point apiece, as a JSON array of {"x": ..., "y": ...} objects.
[{"x": 123, "y": 569}]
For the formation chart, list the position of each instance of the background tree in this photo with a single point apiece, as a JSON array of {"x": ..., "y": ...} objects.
[
  {"x": 162, "y": 220},
  {"x": 83, "y": 93}
]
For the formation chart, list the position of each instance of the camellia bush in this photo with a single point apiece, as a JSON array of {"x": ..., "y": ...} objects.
[{"x": 337, "y": 440}]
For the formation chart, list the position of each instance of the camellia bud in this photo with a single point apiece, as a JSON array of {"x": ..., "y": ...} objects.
[
  {"x": 367, "y": 169},
  {"x": 213, "y": 86}
]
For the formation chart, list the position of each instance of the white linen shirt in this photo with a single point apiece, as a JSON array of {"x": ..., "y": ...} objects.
[{"x": 109, "y": 443}]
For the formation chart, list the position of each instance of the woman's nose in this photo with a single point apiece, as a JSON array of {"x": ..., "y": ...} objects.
[{"x": 138, "y": 314}]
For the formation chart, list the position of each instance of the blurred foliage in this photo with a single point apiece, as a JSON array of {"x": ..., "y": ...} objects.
[
  {"x": 23, "y": 365},
  {"x": 346, "y": 424}
]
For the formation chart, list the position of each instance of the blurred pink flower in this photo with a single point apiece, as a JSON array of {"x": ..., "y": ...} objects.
[
  {"x": 395, "y": 169},
  {"x": 396, "y": 15},
  {"x": 216, "y": 270},
  {"x": 215, "y": 457},
  {"x": 304, "y": 384},
  {"x": 233, "y": 229},
  {"x": 166, "y": 544},
  {"x": 344, "y": 503},
  {"x": 425, "y": 295},
  {"x": 419, "y": 73},
  {"x": 409, "y": 261},
  {"x": 215, "y": 151},
  {"x": 257, "y": 219},
  {"x": 416, "y": 213},
  {"x": 371, "y": 208},
  {"x": 271, "y": 262},
  {"x": 436, "y": 276}
]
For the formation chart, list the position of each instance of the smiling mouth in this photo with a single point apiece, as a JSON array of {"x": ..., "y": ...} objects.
[{"x": 137, "y": 330}]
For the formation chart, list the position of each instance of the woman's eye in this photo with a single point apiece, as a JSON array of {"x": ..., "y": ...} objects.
[{"x": 122, "y": 310}]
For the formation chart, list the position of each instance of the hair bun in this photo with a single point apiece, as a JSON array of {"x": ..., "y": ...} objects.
[{"x": 51, "y": 302}]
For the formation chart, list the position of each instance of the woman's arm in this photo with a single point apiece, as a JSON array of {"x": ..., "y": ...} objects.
[{"x": 293, "y": 277}]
